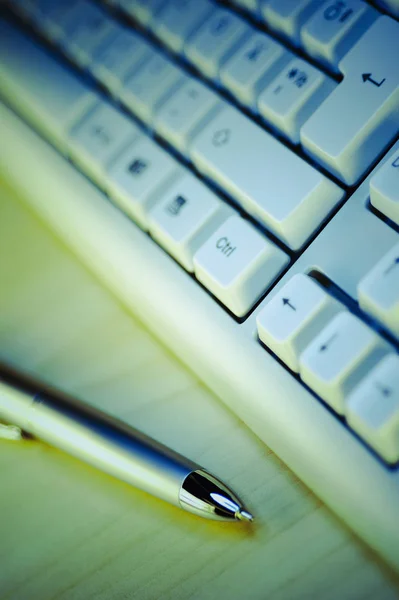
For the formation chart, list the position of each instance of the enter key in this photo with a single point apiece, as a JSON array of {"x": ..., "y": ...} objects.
[{"x": 353, "y": 126}]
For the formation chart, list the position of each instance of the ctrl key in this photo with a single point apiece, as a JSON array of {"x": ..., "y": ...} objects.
[{"x": 237, "y": 264}]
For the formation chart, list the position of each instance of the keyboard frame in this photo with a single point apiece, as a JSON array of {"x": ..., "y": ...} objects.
[{"x": 223, "y": 353}]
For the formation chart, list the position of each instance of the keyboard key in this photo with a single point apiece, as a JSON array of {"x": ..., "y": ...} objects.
[
  {"x": 251, "y": 6},
  {"x": 237, "y": 264},
  {"x": 378, "y": 291},
  {"x": 293, "y": 96},
  {"x": 118, "y": 57},
  {"x": 99, "y": 137},
  {"x": 143, "y": 11},
  {"x": 347, "y": 135},
  {"x": 294, "y": 316},
  {"x": 25, "y": 8},
  {"x": 49, "y": 16},
  {"x": 334, "y": 29},
  {"x": 391, "y": 6},
  {"x": 152, "y": 82},
  {"x": 187, "y": 109},
  {"x": 373, "y": 408},
  {"x": 271, "y": 182},
  {"x": 188, "y": 213},
  {"x": 49, "y": 95},
  {"x": 288, "y": 16},
  {"x": 86, "y": 27},
  {"x": 339, "y": 357},
  {"x": 252, "y": 67},
  {"x": 178, "y": 20},
  {"x": 138, "y": 177},
  {"x": 384, "y": 189},
  {"x": 216, "y": 40}
]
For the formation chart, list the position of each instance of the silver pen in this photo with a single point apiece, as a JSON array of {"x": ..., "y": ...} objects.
[{"x": 116, "y": 448}]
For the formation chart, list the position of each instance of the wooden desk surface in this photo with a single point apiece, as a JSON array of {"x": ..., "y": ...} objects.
[{"x": 68, "y": 531}]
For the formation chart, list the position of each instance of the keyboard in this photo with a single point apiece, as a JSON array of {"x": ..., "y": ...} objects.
[{"x": 230, "y": 170}]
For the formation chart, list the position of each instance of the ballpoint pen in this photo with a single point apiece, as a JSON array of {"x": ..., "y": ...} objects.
[{"x": 114, "y": 447}]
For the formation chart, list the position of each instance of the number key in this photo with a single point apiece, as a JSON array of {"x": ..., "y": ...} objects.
[
  {"x": 252, "y": 67},
  {"x": 293, "y": 96},
  {"x": 334, "y": 29},
  {"x": 215, "y": 41}
]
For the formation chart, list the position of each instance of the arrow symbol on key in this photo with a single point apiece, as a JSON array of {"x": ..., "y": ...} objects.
[
  {"x": 326, "y": 344},
  {"x": 367, "y": 77},
  {"x": 385, "y": 391},
  {"x": 287, "y": 302},
  {"x": 392, "y": 266}
]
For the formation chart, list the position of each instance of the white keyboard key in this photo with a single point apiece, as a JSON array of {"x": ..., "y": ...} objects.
[
  {"x": 264, "y": 176},
  {"x": 335, "y": 28},
  {"x": 117, "y": 58},
  {"x": 25, "y": 8},
  {"x": 293, "y": 96},
  {"x": 361, "y": 116},
  {"x": 337, "y": 359},
  {"x": 384, "y": 189},
  {"x": 143, "y": 11},
  {"x": 137, "y": 178},
  {"x": 373, "y": 408},
  {"x": 188, "y": 213},
  {"x": 187, "y": 109},
  {"x": 47, "y": 93},
  {"x": 250, "y": 5},
  {"x": 237, "y": 264},
  {"x": 99, "y": 137},
  {"x": 86, "y": 27},
  {"x": 391, "y": 6},
  {"x": 288, "y": 16},
  {"x": 178, "y": 20},
  {"x": 49, "y": 16},
  {"x": 215, "y": 41},
  {"x": 152, "y": 82},
  {"x": 378, "y": 291},
  {"x": 252, "y": 67},
  {"x": 294, "y": 316}
]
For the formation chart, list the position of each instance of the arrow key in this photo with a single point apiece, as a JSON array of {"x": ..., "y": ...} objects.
[
  {"x": 294, "y": 316},
  {"x": 373, "y": 408},
  {"x": 339, "y": 357},
  {"x": 384, "y": 188},
  {"x": 378, "y": 291}
]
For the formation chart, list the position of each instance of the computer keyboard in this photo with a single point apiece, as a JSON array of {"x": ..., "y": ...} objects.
[{"x": 231, "y": 172}]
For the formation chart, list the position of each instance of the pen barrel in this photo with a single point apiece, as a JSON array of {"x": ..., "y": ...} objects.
[{"x": 98, "y": 439}]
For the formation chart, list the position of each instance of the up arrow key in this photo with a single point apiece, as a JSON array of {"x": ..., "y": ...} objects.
[
  {"x": 286, "y": 302},
  {"x": 360, "y": 117},
  {"x": 378, "y": 291}
]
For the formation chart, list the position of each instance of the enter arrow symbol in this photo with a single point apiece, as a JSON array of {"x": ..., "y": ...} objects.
[
  {"x": 287, "y": 302},
  {"x": 367, "y": 77}
]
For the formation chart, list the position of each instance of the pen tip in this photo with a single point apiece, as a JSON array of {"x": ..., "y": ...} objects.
[{"x": 244, "y": 515}]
